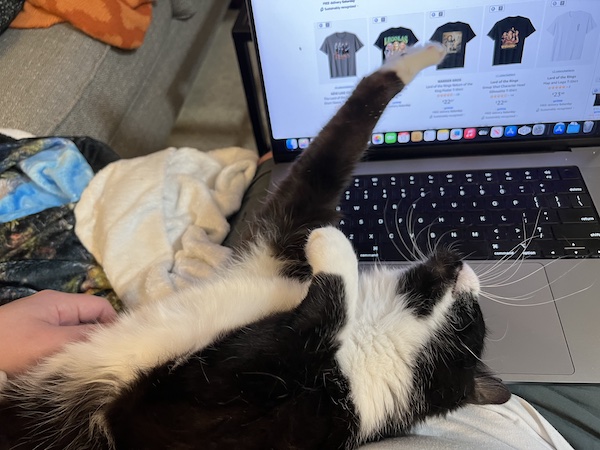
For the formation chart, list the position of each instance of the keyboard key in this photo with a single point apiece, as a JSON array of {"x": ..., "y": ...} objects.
[
  {"x": 580, "y": 200},
  {"x": 551, "y": 249},
  {"x": 567, "y": 173},
  {"x": 569, "y": 187},
  {"x": 576, "y": 251},
  {"x": 544, "y": 187},
  {"x": 576, "y": 231},
  {"x": 583, "y": 215},
  {"x": 549, "y": 174}
]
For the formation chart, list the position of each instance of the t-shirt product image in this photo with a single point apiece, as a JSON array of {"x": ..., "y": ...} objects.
[
  {"x": 341, "y": 50},
  {"x": 454, "y": 37},
  {"x": 569, "y": 31},
  {"x": 509, "y": 36},
  {"x": 395, "y": 41}
]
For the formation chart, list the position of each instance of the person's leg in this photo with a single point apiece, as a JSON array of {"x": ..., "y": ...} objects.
[{"x": 574, "y": 410}]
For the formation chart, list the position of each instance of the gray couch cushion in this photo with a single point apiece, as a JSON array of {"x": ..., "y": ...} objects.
[
  {"x": 60, "y": 81},
  {"x": 41, "y": 80},
  {"x": 183, "y": 9}
]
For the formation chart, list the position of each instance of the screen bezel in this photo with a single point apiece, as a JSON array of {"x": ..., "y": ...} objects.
[{"x": 482, "y": 145}]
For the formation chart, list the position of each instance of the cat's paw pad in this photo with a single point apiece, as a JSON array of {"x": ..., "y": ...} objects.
[
  {"x": 416, "y": 59},
  {"x": 329, "y": 251}
]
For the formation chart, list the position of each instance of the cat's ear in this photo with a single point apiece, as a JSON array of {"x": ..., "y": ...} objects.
[{"x": 488, "y": 389}]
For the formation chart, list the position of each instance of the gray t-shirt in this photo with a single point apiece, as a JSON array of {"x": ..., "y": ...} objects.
[{"x": 341, "y": 49}]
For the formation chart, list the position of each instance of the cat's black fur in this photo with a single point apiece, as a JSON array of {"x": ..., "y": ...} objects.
[
  {"x": 277, "y": 382},
  {"x": 273, "y": 384},
  {"x": 307, "y": 197}
]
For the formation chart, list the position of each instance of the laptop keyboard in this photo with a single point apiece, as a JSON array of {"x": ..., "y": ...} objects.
[{"x": 487, "y": 214}]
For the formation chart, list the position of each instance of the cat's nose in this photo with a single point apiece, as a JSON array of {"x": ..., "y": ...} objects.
[{"x": 467, "y": 280}]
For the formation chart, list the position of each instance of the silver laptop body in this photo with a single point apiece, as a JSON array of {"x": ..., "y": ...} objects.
[{"x": 520, "y": 89}]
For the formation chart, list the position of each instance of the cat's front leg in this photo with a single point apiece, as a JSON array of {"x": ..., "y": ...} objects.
[
  {"x": 409, "y": 64},
  {"x": 328, "y": 251}
]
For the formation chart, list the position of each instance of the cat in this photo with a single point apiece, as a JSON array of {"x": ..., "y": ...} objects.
[{"x": 289, "y": 346}]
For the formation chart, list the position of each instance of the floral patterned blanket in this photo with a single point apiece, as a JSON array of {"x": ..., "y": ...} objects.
[{"x": 41, "y": 251}]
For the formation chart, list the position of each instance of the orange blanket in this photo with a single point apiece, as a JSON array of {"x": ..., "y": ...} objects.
[{"x": 121, "y": 23}]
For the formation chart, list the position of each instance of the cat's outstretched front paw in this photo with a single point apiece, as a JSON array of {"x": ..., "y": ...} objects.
[
  {"x": 408, "y": 65},
  {"x": 329, "y": 251}
]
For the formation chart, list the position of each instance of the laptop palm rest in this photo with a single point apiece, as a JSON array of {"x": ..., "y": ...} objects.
[{"x": 522, "y": 299}]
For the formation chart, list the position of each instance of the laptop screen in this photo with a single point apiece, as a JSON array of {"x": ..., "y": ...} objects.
[{"x": 517, "y": 71}]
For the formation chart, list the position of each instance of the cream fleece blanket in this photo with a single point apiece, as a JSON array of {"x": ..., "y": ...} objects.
[{"x": 155, "y": 223}]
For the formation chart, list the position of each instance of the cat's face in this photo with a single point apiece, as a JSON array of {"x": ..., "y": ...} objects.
[{"x": 418, "y": 334}]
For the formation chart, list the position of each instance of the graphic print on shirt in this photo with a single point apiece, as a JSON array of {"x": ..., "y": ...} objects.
[
  {"x": 341, "y": 49},
  {"x": 395, "y": 41},
  {"x": 454, "y": 36},
  {"x": 509, "y": 36},
  {"x": 570, "y": 30}
]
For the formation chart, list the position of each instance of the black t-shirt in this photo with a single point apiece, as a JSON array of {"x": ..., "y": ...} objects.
[
  {"x": 509, "y": 36},
  {"x": 454, "y": 37},
  {"x": 394, "y": 41}
]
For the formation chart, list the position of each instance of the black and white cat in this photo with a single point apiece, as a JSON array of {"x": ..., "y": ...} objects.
[{"x": 289, "y": 347}]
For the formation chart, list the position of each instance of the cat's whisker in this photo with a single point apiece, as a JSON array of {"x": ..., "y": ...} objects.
[
  {"x": 487, "y": 281},
  {"x": 493, "y": 267},
  {"x": 437, "y": 240},
  {"x": 387, "y": 229},
  {"x": 428, "y": 244},
  {"x": 410, "y": 228},
  {"x": 412, "y": 255},
  {"x": 499, "y": 270},
  {"x": 496, "y": 299},
  {"x": 522, "y": 297},
  {"x": 519, "y": 250},
  {"x": 515, "y": 299},
  {"x": 419, "y": 254},
  {"x": 504, "y": 276},
  {"x": 451, "y": 246},
  {"x": 433, "y": 242},
  {"x": 524, "y": 244},
  {"x": 509, "y": 282},
  {"x": 501, "y": 338},
  {"x": 485, "y": 275},
  {"x": 478, "y": 358},
  {"x": 455, "y": 328}
]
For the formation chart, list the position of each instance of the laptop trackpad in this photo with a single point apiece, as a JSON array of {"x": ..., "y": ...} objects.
[{"x": 525, "y": 333}]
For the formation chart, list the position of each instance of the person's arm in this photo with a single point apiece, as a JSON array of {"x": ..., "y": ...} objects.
[{"x": 37, "y": 326}]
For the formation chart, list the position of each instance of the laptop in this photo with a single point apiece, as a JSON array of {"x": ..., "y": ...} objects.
[{"x": 504, "y": 134}]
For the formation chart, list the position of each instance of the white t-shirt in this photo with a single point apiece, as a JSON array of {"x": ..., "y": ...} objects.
[
  {"x": 569, "y": 31},
  {"x": 513, "y": 425}
]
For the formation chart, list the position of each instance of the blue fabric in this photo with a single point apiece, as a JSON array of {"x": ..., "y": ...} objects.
[{"x": 52, "y": 172}]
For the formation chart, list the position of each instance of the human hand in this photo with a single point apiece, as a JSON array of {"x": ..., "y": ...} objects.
[{"x": 37, "y": 326}]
